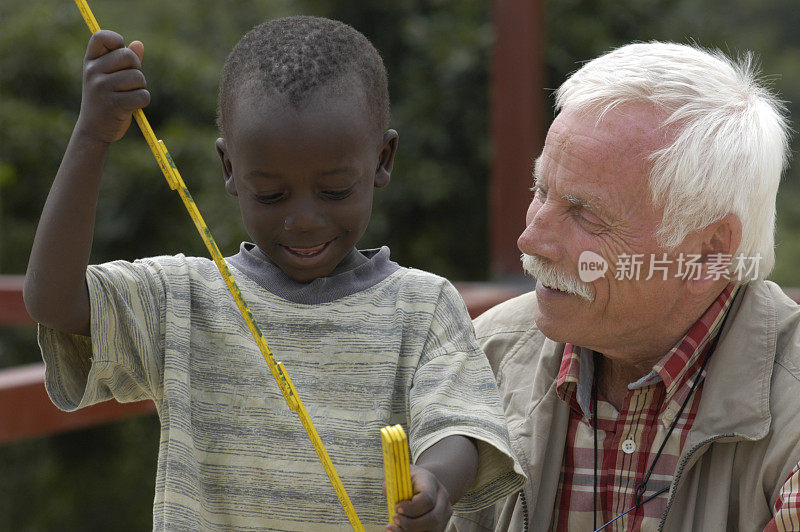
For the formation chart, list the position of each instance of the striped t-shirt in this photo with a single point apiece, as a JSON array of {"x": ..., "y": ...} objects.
[{"x": 373, "y": 346}]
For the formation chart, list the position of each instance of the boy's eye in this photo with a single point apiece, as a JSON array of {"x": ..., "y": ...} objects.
[
  {"x": 337, "y": 194},
  {"x": 269, "y": 198}
]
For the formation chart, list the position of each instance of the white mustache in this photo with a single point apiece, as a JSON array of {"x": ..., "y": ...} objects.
[{"x": 547, "y": 274}]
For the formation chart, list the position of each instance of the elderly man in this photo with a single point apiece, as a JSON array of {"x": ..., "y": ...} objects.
[{"x": 652, "y": 381}]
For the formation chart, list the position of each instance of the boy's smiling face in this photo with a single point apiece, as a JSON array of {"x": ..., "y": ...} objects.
[{"x": 305, "y": 178}]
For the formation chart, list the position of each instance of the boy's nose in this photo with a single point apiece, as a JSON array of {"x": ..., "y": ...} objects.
[{"x": 303, "y": 220}]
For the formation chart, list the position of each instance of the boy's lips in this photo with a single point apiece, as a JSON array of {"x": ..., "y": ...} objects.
[{"x": 312, "y": 251}]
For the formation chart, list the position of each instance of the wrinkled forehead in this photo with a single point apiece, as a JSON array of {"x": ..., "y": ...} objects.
[
  {"x": 603, "y": 160},
  {"x": 624, "y": 135}
]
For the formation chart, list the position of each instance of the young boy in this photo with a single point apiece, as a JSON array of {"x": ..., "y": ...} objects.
[{"x": 303, "y": 113}]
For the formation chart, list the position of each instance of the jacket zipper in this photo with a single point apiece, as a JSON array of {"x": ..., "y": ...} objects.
[{"x": 679, "y": 472}]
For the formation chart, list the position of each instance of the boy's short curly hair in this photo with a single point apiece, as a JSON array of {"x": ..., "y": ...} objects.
[{"x": 294, "y": 56}]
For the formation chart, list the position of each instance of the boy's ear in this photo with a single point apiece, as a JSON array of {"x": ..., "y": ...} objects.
[
  {"x": 386, "y": 158},
  {"x": 227, "y": 167}
]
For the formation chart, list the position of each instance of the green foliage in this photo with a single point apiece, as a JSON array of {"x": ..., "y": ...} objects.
[
  {"x": 95, "y": 479},
  {"x": 433, "y": 50},
  {"x": 433, "y": 214}
]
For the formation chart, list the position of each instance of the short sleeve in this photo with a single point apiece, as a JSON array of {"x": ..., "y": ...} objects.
[
  {"x": 454, "y": 393},
  {"x": 123, "y": 357}
]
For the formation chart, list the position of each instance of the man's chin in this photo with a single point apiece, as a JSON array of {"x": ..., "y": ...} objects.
[
  {"x": 543, "y": 322},
  {"x": 556, "y": 328}
]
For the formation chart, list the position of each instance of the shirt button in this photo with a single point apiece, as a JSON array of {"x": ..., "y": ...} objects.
[{"x": 628, "y": 446}]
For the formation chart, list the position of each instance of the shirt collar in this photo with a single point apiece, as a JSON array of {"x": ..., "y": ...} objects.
[
  {"x": 574, "y": 386},
  {"x": 358, "y": 271}
]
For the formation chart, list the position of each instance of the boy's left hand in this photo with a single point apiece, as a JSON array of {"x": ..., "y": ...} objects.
[{"x": 428, "y": 509}]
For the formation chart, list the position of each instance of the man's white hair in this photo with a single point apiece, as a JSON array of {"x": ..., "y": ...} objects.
[{"x": 731, "y": 143}]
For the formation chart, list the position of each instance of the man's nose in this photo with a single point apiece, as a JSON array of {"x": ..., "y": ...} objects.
[
  {"x": 542, "y": 235},
  {"x": 303, "y": 217}
]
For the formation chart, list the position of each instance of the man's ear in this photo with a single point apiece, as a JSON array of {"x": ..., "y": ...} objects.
[
  {"x": 724, "y": 236},
  {"x": 718, "y": 243},
  {"x": 383, "y": 172},
  {"x": 227, "y": 167}
]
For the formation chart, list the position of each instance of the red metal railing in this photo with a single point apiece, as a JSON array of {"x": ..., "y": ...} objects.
[{"x": 26, "y": 410}]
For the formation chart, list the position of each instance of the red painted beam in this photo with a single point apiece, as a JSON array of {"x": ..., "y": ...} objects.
[
  {"x": 12, "y": 308},
  {"x": 26, "y": 410},
  {"x": 516, "y": 124}
]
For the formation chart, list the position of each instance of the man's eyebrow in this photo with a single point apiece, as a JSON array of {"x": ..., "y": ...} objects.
[
  {"x": 591, "y": 203},
  {"x": 579, "y": 202},
  {"x": 537, "y": 171}
]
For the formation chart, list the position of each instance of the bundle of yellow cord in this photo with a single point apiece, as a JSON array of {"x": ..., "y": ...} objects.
[
  {"x": 396, "y": 466},
  {"x": 288, "y": 390}
]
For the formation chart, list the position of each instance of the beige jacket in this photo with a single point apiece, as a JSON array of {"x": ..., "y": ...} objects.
[{"x": 740, "y": 450}]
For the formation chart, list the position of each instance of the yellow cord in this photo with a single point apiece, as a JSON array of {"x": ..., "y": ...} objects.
[{"x": 288, "y": 390}]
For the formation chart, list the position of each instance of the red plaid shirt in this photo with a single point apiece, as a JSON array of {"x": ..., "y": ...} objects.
[{"x": 628, "y": 440}]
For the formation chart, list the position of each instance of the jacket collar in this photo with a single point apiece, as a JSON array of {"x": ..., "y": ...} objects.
[{"x": 738, "y": 375}]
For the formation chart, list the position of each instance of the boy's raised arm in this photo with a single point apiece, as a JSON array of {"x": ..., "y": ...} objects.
[{"x": 55, "y": 288}]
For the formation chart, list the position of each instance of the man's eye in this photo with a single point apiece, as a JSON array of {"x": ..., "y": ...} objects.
[
  {"x": 337, "y": 194},
  {"x": 587, "y": 217},
  {"x": 269, "y": 198}
]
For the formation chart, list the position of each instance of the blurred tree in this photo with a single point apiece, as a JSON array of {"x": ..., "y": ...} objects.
[
  {"x": 433, "y": 215},
  {"x": 433, "y": 51}
]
